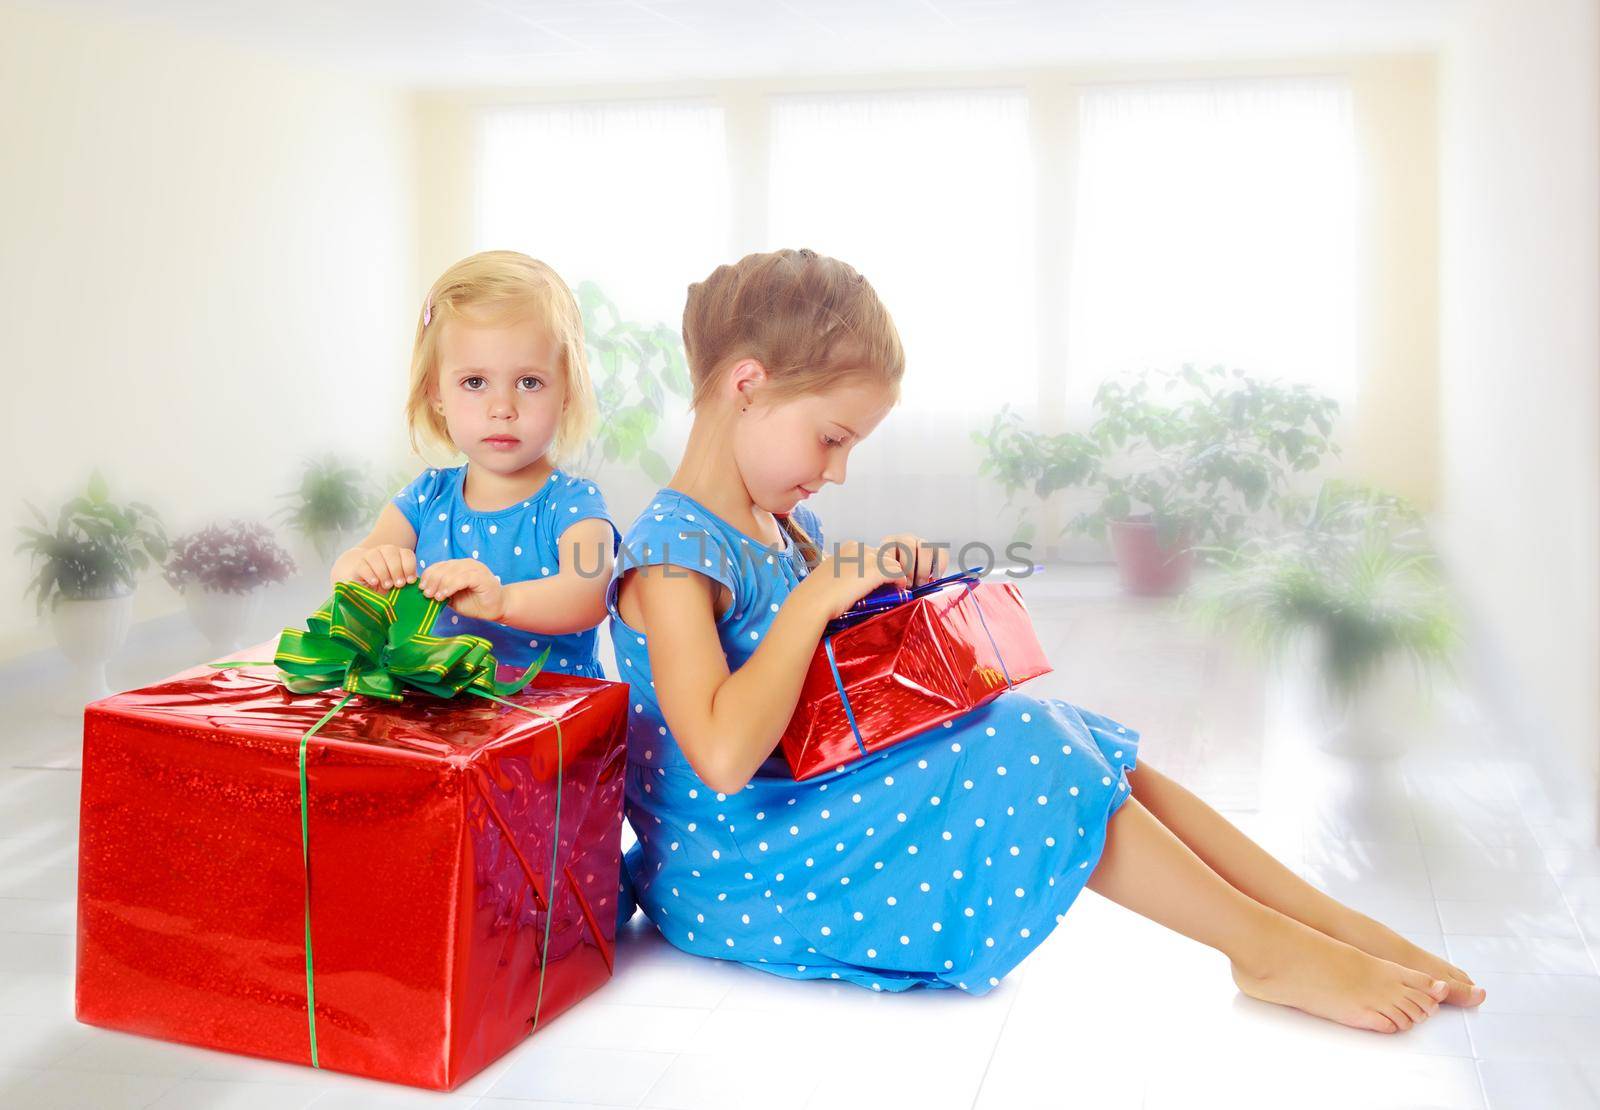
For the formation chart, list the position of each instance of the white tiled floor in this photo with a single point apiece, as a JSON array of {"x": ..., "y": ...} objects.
[{"x": 1455, "y": 844}]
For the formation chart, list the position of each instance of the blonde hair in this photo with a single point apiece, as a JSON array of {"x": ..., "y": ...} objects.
[
  {"x": 812, "y": 321},
  {"x": 496, "y": 288}
]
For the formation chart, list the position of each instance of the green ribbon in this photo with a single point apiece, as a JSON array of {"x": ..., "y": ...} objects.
[{"x": 377, "y": 645}]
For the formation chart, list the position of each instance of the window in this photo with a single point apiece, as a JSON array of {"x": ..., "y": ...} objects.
[
  {"x": 632, "y": 196},
  {"x": 930, "y": 196},
  {"x": 1215, "y": 221}
]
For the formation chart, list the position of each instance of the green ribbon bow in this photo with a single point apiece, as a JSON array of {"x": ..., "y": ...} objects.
[
  {"x": 374, "y": 644},
  {"x": 378, "y": 644}
]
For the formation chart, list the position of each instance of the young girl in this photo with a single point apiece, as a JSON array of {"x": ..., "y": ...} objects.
[
  {"x": 521, "y": 550},
  {"x": 944, "y": 860}
]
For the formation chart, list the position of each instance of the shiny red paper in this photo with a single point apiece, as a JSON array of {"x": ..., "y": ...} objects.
[
  {"x": 430, "y": 827},
  {"x": 910, "y": 668}
]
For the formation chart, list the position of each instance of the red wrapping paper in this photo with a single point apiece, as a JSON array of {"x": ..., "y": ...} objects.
[
  {"x": 910, "y": 668},
  {"x": 426, "y": 818}
]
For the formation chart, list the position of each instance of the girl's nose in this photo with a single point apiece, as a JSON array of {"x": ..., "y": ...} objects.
[{"x": 503, "y": 406}]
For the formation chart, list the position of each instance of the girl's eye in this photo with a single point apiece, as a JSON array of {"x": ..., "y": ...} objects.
[
  {"x": 473, "y": 382},
  {"x": 530, "y": 383}
]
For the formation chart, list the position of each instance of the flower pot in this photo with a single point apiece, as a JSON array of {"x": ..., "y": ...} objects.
[
  {"x": 1368, "y": 724},
  {"x": 1372, "y": 722},
  {"x": 1145, "y": 567},
  {"x": 223, "y": 618},
  {"x": 89, "y": 631},
  {"x": 312, "y": 563}
]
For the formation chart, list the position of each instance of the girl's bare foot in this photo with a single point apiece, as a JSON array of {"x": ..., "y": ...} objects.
[
  {"x": 1377, "y": 939},
  {"x": 1294, "y": 965}
]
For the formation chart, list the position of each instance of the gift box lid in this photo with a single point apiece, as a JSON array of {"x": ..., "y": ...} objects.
[{"x": 250, "y": 701}]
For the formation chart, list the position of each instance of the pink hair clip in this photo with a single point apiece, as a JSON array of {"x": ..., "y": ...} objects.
[{"x": 427, "y": 311}]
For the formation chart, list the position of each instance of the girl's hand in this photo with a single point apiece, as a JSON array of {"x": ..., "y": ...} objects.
[
  {"x": 842, "y": 579},
  {"x": 467, "y": 586},
  {"x": 922, "y": 561},
  {"x": 385, "y": 566}
]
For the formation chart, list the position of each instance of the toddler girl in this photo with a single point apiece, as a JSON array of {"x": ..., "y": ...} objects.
[{"x": 521, "y": 550}]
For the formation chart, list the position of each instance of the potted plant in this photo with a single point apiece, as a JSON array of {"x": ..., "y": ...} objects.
[
  {"x": 1176, "y": 461},
  {"x": 632, "y": 365},
  {"x": 220, "y": 570},
  {"x": 87, "y": 568},
  {"x": 1356, "y": 594},
  {"x": 334, "y": 501}
]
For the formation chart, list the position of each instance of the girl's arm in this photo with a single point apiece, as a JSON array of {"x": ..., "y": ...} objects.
[
  {"x": 728, "y": 723},
  {"x": 385, "y": 559},
  {"x": 572, "y": 601},
  {"x": 575, "y": 598}
]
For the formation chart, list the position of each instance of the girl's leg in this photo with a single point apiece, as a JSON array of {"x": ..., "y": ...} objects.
[
  {"x": 1253, "y": 870},
  {"x": 1275, "y": 958}
]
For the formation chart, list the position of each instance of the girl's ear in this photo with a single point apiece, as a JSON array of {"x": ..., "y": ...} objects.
[{"x": 745, "y": 380}]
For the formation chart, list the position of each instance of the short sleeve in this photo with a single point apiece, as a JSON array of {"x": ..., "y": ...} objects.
[
  {"x": 416, "y": 497},
  {"x": 677, "y": 539},
  {"x": 580, "y": 499}
]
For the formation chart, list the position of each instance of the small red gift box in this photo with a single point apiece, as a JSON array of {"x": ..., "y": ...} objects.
[
  {"x": 430, "y": 824},
  {"x": 909, "y": 668}
]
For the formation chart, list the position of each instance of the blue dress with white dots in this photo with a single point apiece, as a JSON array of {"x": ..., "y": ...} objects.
[
  {"x": 939, "y": 862},
  {"x": 518, "y": 543}
]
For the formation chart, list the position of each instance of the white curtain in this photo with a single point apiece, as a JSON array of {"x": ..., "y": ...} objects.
[
  {"x": 1212, "y": 221},
  {"x": 631, "y": 195},
  {"x": 931, "y": 196},
  {"x": 1215, "y": 221}
]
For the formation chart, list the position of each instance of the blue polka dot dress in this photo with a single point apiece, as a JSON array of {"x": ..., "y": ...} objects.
[
  {"x": 518, "y": 543},
  {"x": 939, "y": 862}
]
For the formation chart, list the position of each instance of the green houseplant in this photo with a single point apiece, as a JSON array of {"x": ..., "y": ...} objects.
[
  {"x": 1176, "y": 460},
  {"x": 334, "y": 499},
  {"x": 1359, "y": 588},
  {"x": 87, "y": 570},
  {"x": 633, "y": 366}
]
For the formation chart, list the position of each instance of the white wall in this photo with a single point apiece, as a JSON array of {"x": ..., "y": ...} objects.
[
  {"x": 1520, "y": 362},
  {"x": 207, "y": 271}
]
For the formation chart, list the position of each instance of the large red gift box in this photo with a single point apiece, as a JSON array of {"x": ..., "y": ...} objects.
[
  {"x": 429, "y": 826},
  {"x": 907, "y": 669}
]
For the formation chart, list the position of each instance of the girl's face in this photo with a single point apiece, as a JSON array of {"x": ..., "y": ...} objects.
[
  {"x": 501, "y": 392},
  {"x": 789, "y": 450}
]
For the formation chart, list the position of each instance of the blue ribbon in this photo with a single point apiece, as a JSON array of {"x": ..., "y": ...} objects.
[
  {"x": 1001, "y": 659},
  {"x": 882, "y": 600},
  {"x": 890, "y": 596},
  {"x": 838, "y": 684}
]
